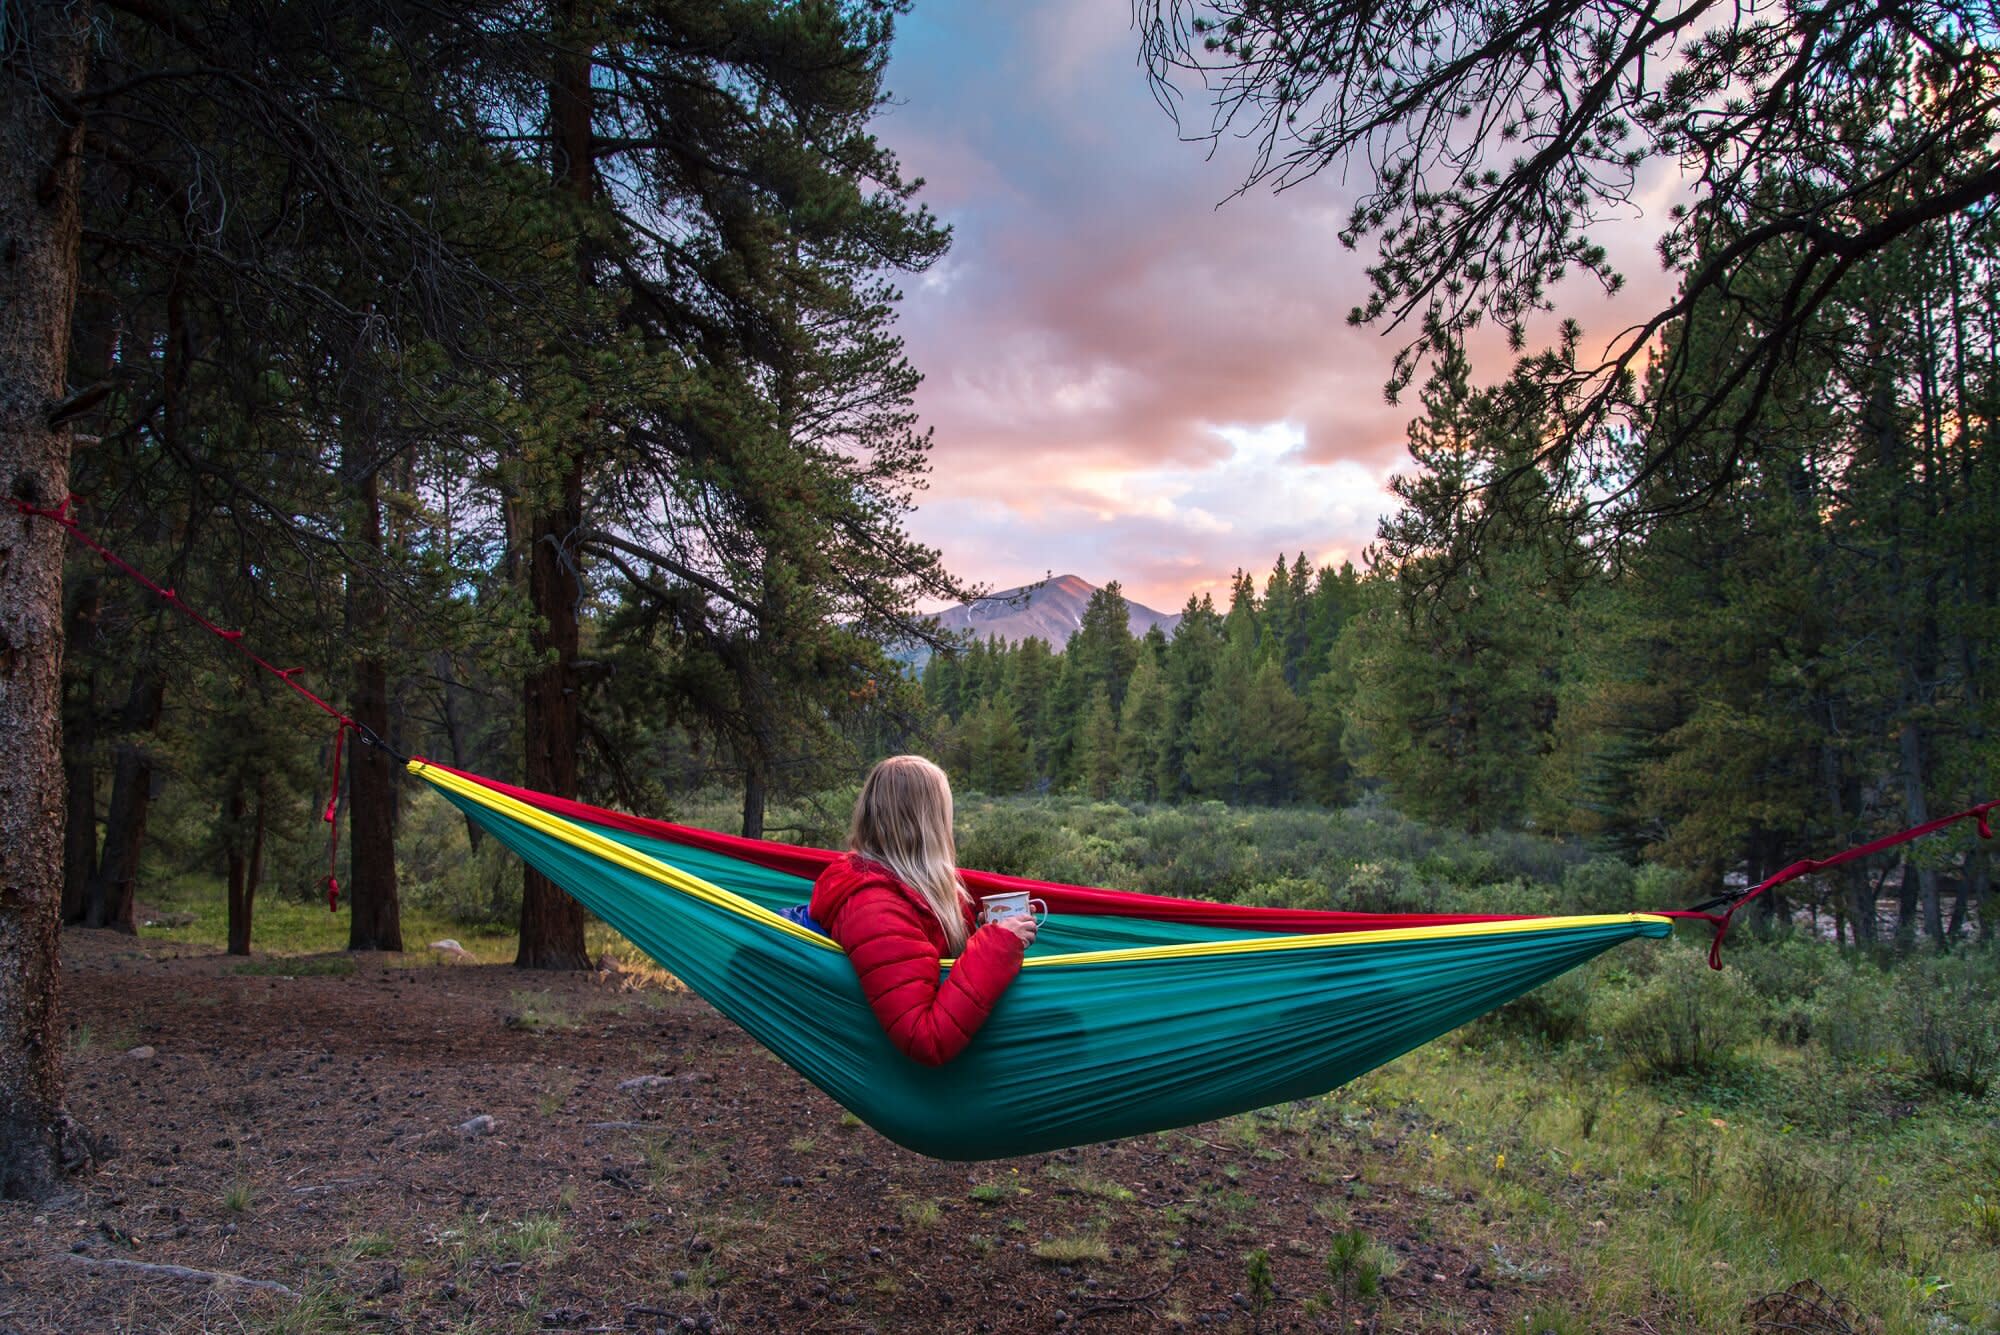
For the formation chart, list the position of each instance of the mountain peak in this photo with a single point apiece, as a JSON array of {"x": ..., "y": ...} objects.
[{"x": 1049, "y": 609}]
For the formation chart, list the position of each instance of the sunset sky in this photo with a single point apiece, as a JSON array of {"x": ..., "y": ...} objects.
[{"x": 1127, "y": 381}]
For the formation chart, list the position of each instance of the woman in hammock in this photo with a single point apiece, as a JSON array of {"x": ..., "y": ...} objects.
[{"x": 896, "y": 906}]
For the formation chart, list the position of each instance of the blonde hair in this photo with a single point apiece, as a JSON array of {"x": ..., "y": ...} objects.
[{"x": 903, "y": 821}]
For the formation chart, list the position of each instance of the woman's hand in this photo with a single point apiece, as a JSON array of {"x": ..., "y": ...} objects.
[{"x": 1022, "y": 925}]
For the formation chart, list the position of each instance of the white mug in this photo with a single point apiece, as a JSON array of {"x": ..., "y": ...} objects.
[{"x": 992, "y": 908}]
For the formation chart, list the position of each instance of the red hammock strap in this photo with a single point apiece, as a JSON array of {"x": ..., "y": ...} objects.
[
  {"x": 60, "y": 515},
  {"x": 1980, "y": 815}
]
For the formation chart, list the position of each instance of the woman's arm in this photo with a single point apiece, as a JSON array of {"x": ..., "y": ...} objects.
[{"x": 928, "y": 1020}]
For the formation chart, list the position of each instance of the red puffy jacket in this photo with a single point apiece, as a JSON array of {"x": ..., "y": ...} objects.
[{"x": 894, "y": 942}]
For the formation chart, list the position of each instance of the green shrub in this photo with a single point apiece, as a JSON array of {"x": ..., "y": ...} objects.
[
  {"x": 1947, "y": 1017},
  {"x": 1851, "y": 1016},
  {"x": 1511, "y": 896},
  {"x": 437, "y": 869},
  {"x": 1287, "y": 892},
  {"x": 1012, "y": 838},
  {"x": 1602, "y": 885},
  {"x": 1556, "y": 1012},
  {"x": 1685, "y": 1019}
]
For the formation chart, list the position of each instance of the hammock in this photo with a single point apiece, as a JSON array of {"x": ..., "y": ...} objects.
[{"x": 1133, "y": 1013}]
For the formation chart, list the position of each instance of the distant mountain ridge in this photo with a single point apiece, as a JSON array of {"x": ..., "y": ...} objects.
[{"x": 1050, "y": 609}]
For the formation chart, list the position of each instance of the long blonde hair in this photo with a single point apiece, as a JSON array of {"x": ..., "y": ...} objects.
[{"x": 903, "y": 821}]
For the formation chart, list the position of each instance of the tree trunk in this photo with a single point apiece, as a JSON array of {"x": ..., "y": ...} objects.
[
  {"x": 1906, "y": 904},
  {"x": 1961, "y": 902},
  {"x": 1917, "y": 809},
  {"x": 114, "y": 887},
  {"x": 753, "y": 801},
  {"x": 454, "y": 735},
  {"x": 1979, "y": 875},
  {"x": 42, "y": 60},
  {"x": 246, "y": 867},
  {"x": 374, "y": 916},
  {"x": 552, "y": 922},
  {"x": 79, "y": 716}
]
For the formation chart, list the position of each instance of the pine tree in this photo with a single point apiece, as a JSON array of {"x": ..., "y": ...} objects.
[
  {"x": 1141, "y": 729},
  {"x": 1097, "y": 754},
  {"x": 1191, "y": 661},
  {"x": 1217, "y": 764},
  {"x": 1275, "y": 738}
]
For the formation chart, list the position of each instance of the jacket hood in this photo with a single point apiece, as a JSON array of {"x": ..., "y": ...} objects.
[{"x": 843, "y": 878}]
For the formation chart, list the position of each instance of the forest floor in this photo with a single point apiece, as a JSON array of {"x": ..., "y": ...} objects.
[{"x": 405, "y": 1144}]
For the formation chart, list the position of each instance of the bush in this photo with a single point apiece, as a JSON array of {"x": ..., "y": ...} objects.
[
  {"x": 1850, "y": 1017},
  {"x": 1685, "y": 1019},
  {"x": 437, "y": 869},
  {"x": 1947, "y": 1018},
  {"x": 1601, "y": 885},
  {"x": 1557, "y": 1012},
  {"x": 1287, "y": 892},
  {"x": 1012, "y": 838}
]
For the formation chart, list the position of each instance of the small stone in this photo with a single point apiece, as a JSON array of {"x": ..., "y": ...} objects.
[
  {"x": 143, "y": 1053},
  {"x": 874, "y": 1253},
  {"x": 644, "y": 1082},
  {"x": 678, "y": 1278},
  {"x": 481, "y": 1125}
]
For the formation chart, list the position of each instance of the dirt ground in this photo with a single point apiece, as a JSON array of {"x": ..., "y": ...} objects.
[{"x": 419, "y": 1146}]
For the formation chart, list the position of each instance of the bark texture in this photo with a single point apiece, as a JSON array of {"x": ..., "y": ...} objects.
[
  {"x": 552, "y": 922},
  {"x": 109, "y": 899},
  {"x": 42, "y": 61},
  {"x": 374, "y": 914},
  {"x": 246, "y": 810}
]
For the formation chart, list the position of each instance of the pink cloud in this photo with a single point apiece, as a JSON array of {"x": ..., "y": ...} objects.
[{"x": 1101, "y": 324}]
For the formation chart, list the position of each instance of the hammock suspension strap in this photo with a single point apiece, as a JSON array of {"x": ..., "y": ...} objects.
[
  {"x": 342, "y": 725},
  {"x": 1981, "y": 816}
]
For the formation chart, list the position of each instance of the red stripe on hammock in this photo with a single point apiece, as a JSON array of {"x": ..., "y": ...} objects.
[{"x": 807, "y": 863}]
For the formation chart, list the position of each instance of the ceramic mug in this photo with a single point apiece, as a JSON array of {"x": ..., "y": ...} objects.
[{"x": 992, "y": 908}]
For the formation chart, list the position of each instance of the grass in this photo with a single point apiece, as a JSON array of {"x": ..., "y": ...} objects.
[
  {"x": 237, "y": 1198},
  {"x": 1695, "y": 1198},
  {"x": 297, "y": 938},
  {"x": 538, "y": 1237},
  {"x": 996, "y": 1193},
  {"x": 321, "y": 1310},
  {"x": 362, "y": 1246},
  {"x": 1088, "y": 1184},
  {"x": 920, "y": 1214},
  {"x": 1083, "y": 1249}
]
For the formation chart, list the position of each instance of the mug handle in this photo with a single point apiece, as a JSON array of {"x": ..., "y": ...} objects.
[{"x": 1041, "y": 917}]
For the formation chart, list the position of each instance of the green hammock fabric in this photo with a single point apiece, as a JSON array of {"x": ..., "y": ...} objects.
[{"x": 1095, "y": 1040}]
